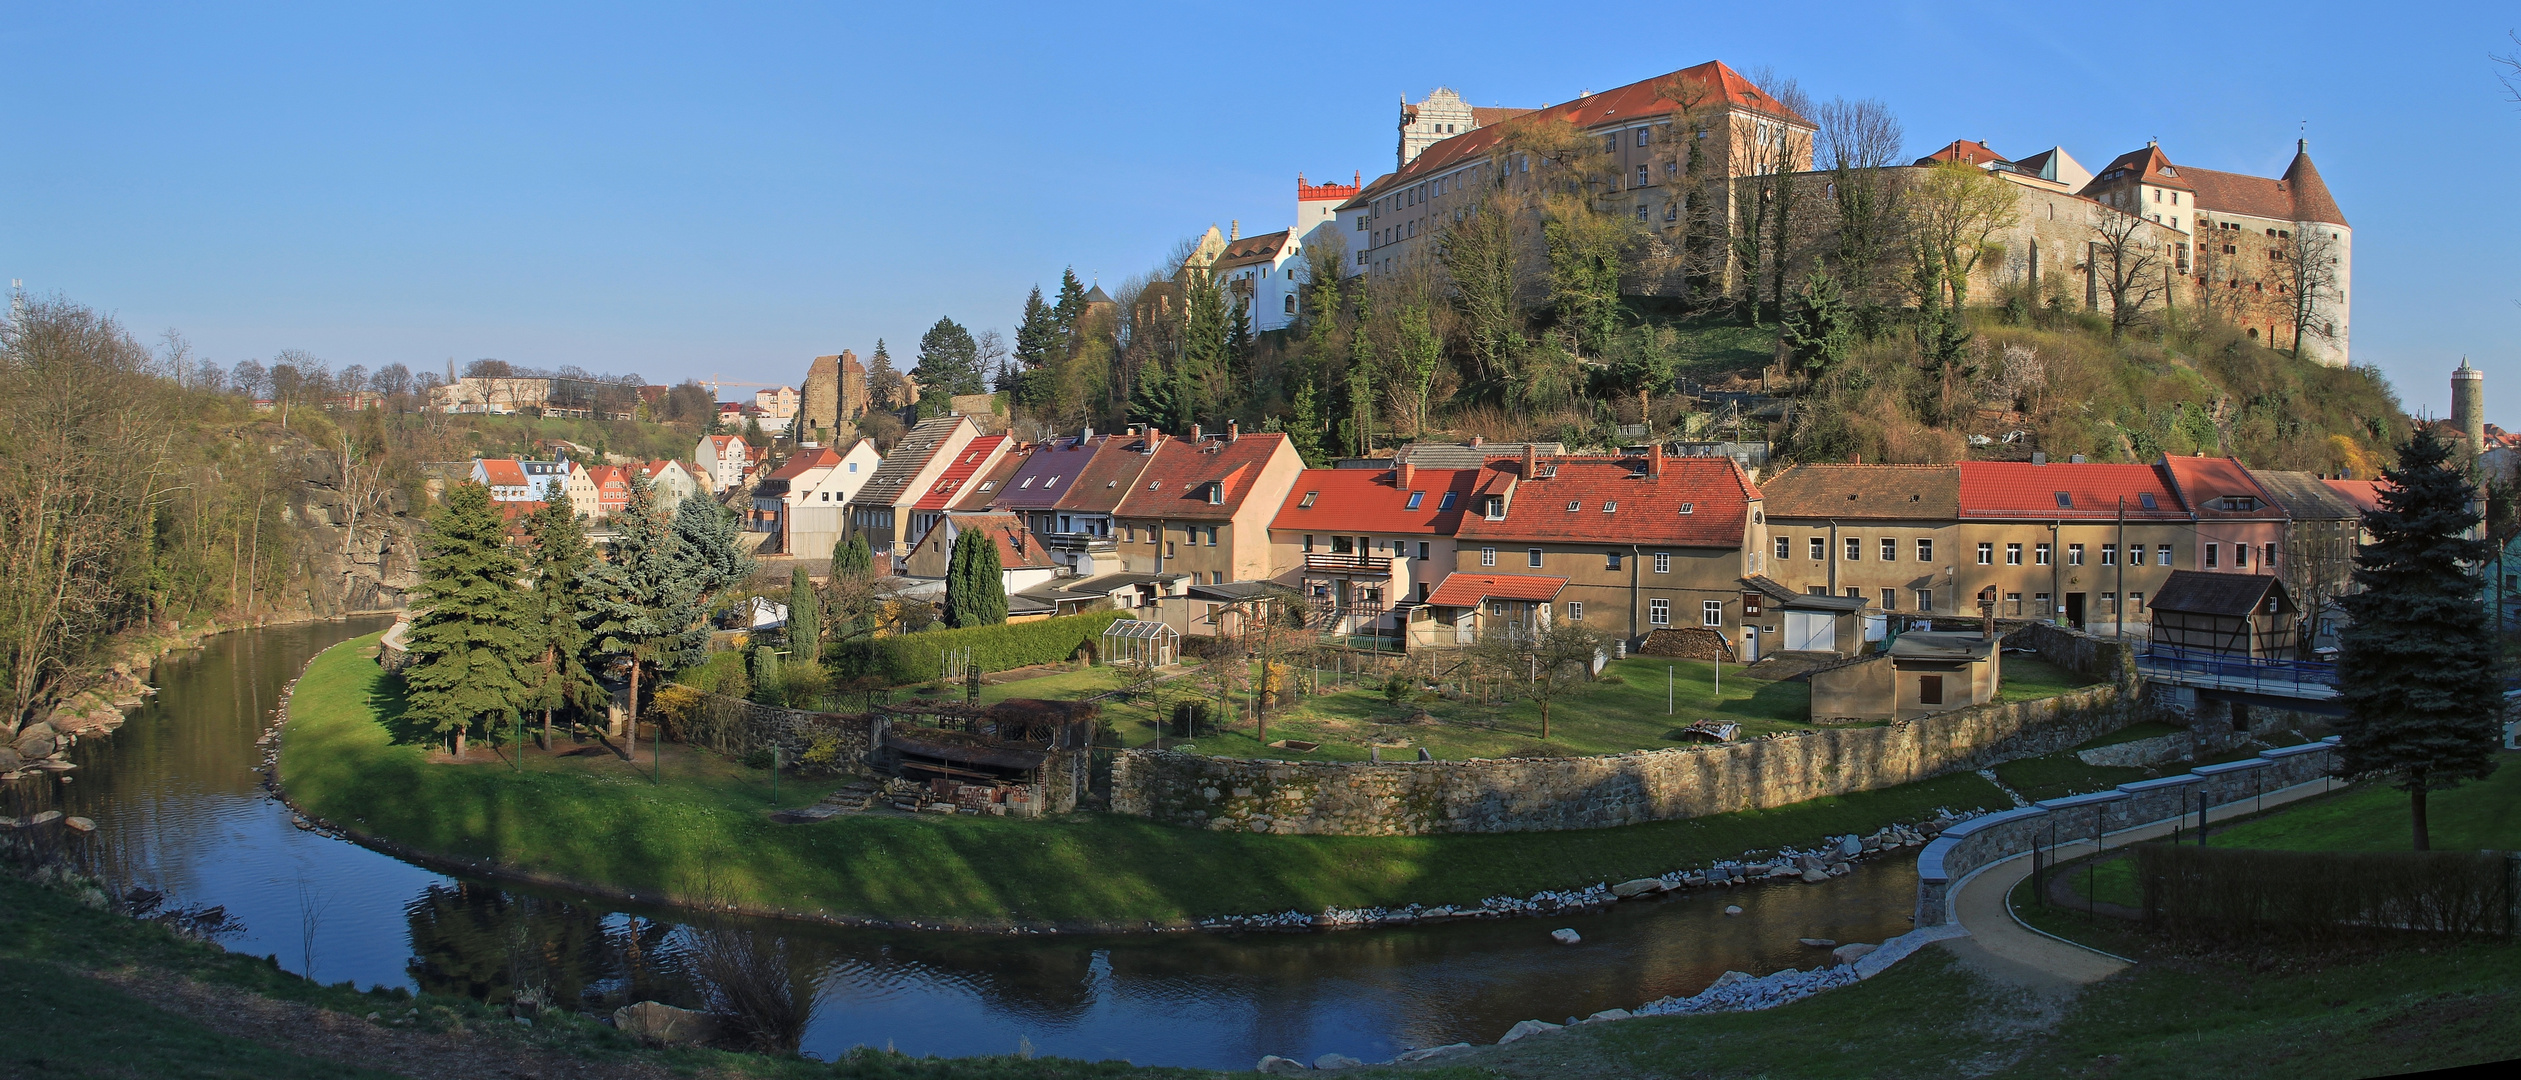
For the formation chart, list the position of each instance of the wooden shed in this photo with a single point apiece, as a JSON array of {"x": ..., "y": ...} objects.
[{"x": 2240, "y": 615}]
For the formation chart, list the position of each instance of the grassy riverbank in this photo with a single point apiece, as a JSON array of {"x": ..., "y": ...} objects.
[{"x": 705, "y": 830}]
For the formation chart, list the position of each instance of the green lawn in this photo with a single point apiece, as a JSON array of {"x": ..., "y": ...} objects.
[
  {"x": 2481, "y": 816},
  {"x": 2150, "y": 729},
  {"x": 2029, "y": 677},
  {"x": 2051, "y": 776},
  {"x": 598, "y": 820}
]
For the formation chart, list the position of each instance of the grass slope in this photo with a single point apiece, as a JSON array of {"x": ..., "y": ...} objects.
[{"x": 597, "y": 820}]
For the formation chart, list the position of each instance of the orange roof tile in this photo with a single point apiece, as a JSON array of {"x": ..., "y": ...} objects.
[
  {"x": 1374, "y": 501},
  {"x": 2204, "y": 483},
  {"x": 1175, "y": 483},
  {"x": 949, "y": 483},
  {"x": 503, "y": 472},
  {"x": 2065, "y": 490},
  {"x": 1694, "y": 502},
  {"x": 1469, "y": 590}
]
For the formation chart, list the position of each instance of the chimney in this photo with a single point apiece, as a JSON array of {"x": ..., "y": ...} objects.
[
  {"x": 2039, "y": 457},
  {"x": 1088, "y": 436},
  {"x": 1654, "y": 461},
  {"x": 1402, "y": 474},
  {"x": 1855, "y": 459},
  {"x": 1234, "y": 230},
  {"x": 1531, "y": 460},
  {"x": 1233, "y": 430},
  {"x": 1194, "y": 433},
  {"x": 1476, "y": 441}
]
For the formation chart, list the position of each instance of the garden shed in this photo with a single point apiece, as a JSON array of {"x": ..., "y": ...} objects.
[
  {"x": 1141, "y": 641},
  {"x": 2241, "y": 615}
]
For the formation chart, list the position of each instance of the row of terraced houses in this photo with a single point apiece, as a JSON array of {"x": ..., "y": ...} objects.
[{"x": 1434, "y": 545}]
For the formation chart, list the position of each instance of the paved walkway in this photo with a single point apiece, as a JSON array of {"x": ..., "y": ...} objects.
[{"x": 1980, "y": 903}]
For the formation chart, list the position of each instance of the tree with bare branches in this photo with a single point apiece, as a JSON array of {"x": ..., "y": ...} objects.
[
  {"x": 2130, "y": 267},
  {"x": 2306, "y": 275}
]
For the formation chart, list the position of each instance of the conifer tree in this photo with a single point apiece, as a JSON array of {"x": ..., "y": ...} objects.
[
  {"x": 1304, "y": 429},
  {"x": 473, "y": 630},
  {"x": 852, "y": 588},
  {"x": 1820, "y": 329},
  {"x": 708, "y": 565},
  {"x": 805, "y": 618},
  {"x": 1153, "y": 398},
  {"x": 1038, "y": 338},
  {"x": 949, "y": 361},
  {"x": 641, "y": 603},
  {"x": 1238, "y": 342},
  {"x": 1069, "y": 310},
  {"x": 2416, "y": 666},
  {"x": 557, "y": 566},
  {"x": 975, "y": 589}
]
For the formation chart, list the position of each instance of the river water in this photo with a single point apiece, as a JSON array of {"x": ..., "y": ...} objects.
[{"x": 180, "y": 807}]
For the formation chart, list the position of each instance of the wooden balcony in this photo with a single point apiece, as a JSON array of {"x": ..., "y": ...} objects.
[{"x": 1350, "y": 564}]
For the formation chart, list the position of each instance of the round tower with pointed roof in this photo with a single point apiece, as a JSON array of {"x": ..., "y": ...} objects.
[{"x": 2468, "y": 404}]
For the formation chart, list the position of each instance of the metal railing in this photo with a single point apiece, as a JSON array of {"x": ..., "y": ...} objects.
[
  {"x": 2229, "y": 671},
  {"x": 1343, "y": 563}
]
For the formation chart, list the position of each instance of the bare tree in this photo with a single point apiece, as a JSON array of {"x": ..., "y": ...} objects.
[
  {"x": 2510, "y": 62},
  {"x": 1954, "y": 213},
  {"x": 1479, "y": 260},
  {"x": 1541, "y": 662},
  {"x": 2130, "y": 266},
  {"x": 1858, "y": 143},
  {"x": 2306, "y": 277}
]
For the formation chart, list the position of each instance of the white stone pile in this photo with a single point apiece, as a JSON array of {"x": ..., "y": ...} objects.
[{"x": 1738, "y": 991}]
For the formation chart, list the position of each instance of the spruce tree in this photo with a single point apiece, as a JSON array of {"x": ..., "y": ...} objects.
[
  {"x": 1153, "y": 398},
  {"x": 1820, "y": 329},
  {"x": 1203, "y": 359},
  {"x": 2416, "y": 666},
  {"x": 1238, "y": 342},
  {"x": 805, "y": 618},
  {"x": 1069, "y": 310},
  {"x": 641, "y": 603},
  {"x": 473, "y": 631},
  {"x": 708, "y": 565},
  {"x": 949, "y": 361},
  {"x": 1304, "y": 429},
  {"x": 558, "y": 566},
  {"x": 975, "y": 589},
  {"x": 1038, "y": 338}
]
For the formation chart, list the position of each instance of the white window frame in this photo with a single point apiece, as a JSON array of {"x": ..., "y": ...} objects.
[
  {"x": 1663, "y": 562},
  {"x": 1488, "y": 556},
  {"x": 1711, "y": 613},
  {"x": 1658, "y": 612}
]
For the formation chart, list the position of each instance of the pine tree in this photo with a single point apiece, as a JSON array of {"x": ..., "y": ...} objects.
[
  {"x": 558, "y": 566},
  {"x": 1039, "y": 339},
  {"x": 975, "y": 589},
  {"x": 949, "y": 361},
  {"x": 1304, "y": 429},
  {"x": 1821, "y": 329},
  {"x": 2416, "y": 666},
  {"x": 1203, "y": 359},
  {"x": 473, "y": 631},
  {"x": 805, "y": 618},
  {"x": 1238, "y": 342},
  {"x": 1069, "y": 311}
]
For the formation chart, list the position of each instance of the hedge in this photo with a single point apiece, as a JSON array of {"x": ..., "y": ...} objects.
[
  {"x": 2242, "y": 893},
  {"x": 920, "y": 657}
]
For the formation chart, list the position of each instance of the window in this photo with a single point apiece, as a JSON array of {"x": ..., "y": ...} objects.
[
  {"x": 1415, "y": 498},
  {"x": 1890, "y": 550},
  {"x": 2267, "y": 555},
  {"x": 1643, "y": 178},
  {"x": 2013, "y": 604},
  {"x": 2211, "y": 555},
  {"x": 1785, "y": 548},
  {"x": 1855, "y": 549},
  {"x": 1820, "y": 547},
  {"x": 1574, "y": 505},
  {"x": 1711, "y": 613},
  {"x": 1751, "y": 604},
  {"x": 1212, "y": 536},
  {"x": 2135, "y": 554},
  {"x": 2145, "y": 499},
  {"x": 2240, "y": 555},
  {"x": 2074, "y": 554},
  {"x": 1609, "y": 505},
  {"x": 1532, "y": 557},
  {"x": 2041, "y": 555},
  {"x": 1291, "y": 303},
  {"x": 1689, "y": 508},
  {"x": 2046, "y": 609},
  {"x": 1641, "y": 136},
  {"x": 1497, "y": 608},
  {"x": 2109, "y": 602},
  {"x": 1488, "y": 556},
  {"x": 1642, "y": 208},
  {"x": 2013, "y": 554},
  {"x": 1986, "y": 554},
  {"x": 1610, "y": 561},
  {"x": 1930, "y": 689},
  {"x": 2162, "y": 554},
  {"x": 1854, "y": 593},
  {"x": 1890, "y": 599},
  {"x": 2109, "y": 554},
  {"x": 2065, "y": 500},
  {"x": 1925, "y": 599},
  {"x": 1496, "y": 508},
  {"x": 1216, "y": 492},
  {"x": 2135, "y": 603},
  {"x": 1575, "y": 611},
  {"x": 1659, "y": 611},
  {"x": 1308, "y": 543},
  {"x": 1445, "y": 503},
  {"x": 1422, "y": 549},
  {"x": 1663, "y": 562}
]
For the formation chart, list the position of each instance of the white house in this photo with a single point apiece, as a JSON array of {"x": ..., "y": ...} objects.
[
  {"x": 727, "y": 457},
  {"x": 817, "y": 503}
]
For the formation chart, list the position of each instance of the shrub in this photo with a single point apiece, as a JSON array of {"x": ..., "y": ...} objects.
[
  {"x": 722, "y": 673},
  {"x": 909, "y": 658}
]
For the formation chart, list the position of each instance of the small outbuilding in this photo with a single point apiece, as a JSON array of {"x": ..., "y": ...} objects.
[
  {"x": 1921, "y": 674},
  {"x": 1141, "y": 641},
  {"x": 2236, "y": 615}
]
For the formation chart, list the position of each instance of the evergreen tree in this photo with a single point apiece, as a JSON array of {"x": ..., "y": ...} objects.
[
  {"x": 949, "y": 362},
  {"x": 1820, "y": 330},
  {"x": 1069, "y": 311},
  {"x": 558, "y": 567},
  {"x": 753, "y": 431},
  {"x": 1203, "y": 359},
  {"x": 975, "y": 590},
  {"x": 1039, "y": 339},
  {"x": 641, "y": 603},
  {"x": 1153, "y": 398},
  {"x": 852, "y": 587},
  {"x": 805, "y": 618},
  {"x": 708, "y": 566},
  {"x": 473, "y": 630},
  {"x": 2416, "y": 666},
  {"x": 1304, "y": 429},
  {"x": 1359, "y": 426},
  {"x": 1238, "y": 343}
]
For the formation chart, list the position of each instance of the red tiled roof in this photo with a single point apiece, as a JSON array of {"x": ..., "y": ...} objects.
[
  {"x": 2204, "y": 482},
  {"x": 2149, "y": 165},
  {"x": 1469, "y": 590},
  {"x": 503, "y": 472},
  {"x": 983, "y": 490},
  {"x": 1976, "y": 153},
  {"x": 1643, "y": 510},
  {"x": 1175, "y": 483},
  {"x": 1373, "y": 501},
  {"x": 2300, "y": 195},
  {"x": 1643, "y": 99},
  {"x": 2365, "y": 494},
  {"x": 820, "y": 457},
  {"x": 959, "y": 471},
  {"x": 2091, "y": 490},
  {"x": 1108, "y": 477},
  {"x": 1017, "y": 546},
  {"x": 1252, "y": 250},
  {"x": 718, "y": 443},
  {"x": 517, "y": 510},
  {"x": 1484, "y": 115}
]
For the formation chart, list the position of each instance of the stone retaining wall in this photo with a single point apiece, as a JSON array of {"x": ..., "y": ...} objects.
[
  {"x": 1541, "y": 794},
  {"x": 1995, "y": 837}
]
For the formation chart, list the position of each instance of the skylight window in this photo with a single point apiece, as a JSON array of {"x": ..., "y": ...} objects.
[
  {"x": 1028, "y": 482},
  {"x": 1689, "y": 508},
  {"x": 1573, "y": 506},
  {"x": 2145, "y": 499},
  {"x": 2066, "y": 500},
  {"x": 1415, "y": 498},
  {"x": 1609, "y": 505},
  {"x": 1052, "y": 482},
  {"x": 1446, "y": 503},
  {"x": 1307, "y": 502}
]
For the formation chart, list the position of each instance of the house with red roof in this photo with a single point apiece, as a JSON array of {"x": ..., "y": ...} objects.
[
  {"x": 1624, "y": 543},
  {"x": 1368, "y": 547},
  {"x": 1199, "y": 511},
  {"x": 884, "y": 508},
  {"x": 727, "y": 458},
  {"x": 1023, "y": 562},
  {"x": 595, "y": 492},
  {"x": 506, "y": 479},
  {"x": 1068, "y": 491},
  {"x": 963, "y": 472}
]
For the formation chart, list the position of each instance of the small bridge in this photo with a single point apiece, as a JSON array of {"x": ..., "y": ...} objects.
[{"x": 2205, "y": 670}]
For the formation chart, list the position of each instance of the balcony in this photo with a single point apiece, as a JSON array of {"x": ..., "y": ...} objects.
[
  {"x": 1351, "y": 564},
  {"x": 1077, "y": 542}
]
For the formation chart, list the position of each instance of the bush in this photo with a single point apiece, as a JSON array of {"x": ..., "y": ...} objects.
[
  {"x": 1190, "y": 719},
  {"x": 2238, "y": 893},
  {"x": 910, "y": 658},
  {"x": 722, "y": 673}
]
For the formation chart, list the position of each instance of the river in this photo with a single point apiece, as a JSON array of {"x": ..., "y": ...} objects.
[{"x": 180, "y": 808}]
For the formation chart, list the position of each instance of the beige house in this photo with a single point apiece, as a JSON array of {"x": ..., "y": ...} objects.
[
  {"x": 815, "y": 508},
  {"x": 882, "y": 508},
  {"x": 1367, "y": 547},
  {"x": 1200, "y": 511}
]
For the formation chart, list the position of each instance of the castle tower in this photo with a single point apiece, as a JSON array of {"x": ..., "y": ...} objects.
[
  {"x": 818, "y": 408},
  {"x": 2468, "y": 404},
  {"x": 1441, "y": 116}
]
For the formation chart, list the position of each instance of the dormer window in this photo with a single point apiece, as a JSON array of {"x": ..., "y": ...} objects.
[
  {"x": 1306, "y": 503},
  {"x": 1496, "y": 508},
  {"x": 2239, "y": 502},
  {"x": 1216, "y": 493},
  {"x": 1415, "y": 498},
  {"x": 2065, "y": 500}
]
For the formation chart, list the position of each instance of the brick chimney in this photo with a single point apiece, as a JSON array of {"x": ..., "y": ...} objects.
[
  {"x": 1654, "y": 461},
  {"x": 1531, "y": 460},
  {"x": 1403, "y": 474},
  {"x": 1233, "y": 430},
  {"x": 1476, "y": 441},
  {"x": 1194, "y": 433}
]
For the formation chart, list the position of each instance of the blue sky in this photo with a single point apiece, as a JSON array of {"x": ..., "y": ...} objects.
[{"x": 736, "y": 188}]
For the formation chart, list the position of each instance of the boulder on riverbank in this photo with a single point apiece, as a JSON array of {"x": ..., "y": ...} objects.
[{"x": 664, "y": 1025}]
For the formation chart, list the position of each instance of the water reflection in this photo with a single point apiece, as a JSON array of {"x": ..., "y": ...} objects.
[{"x": 177, "y": 796}]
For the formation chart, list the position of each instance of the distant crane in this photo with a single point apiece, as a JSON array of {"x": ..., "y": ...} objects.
[{"x": 715, "y": 383}]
